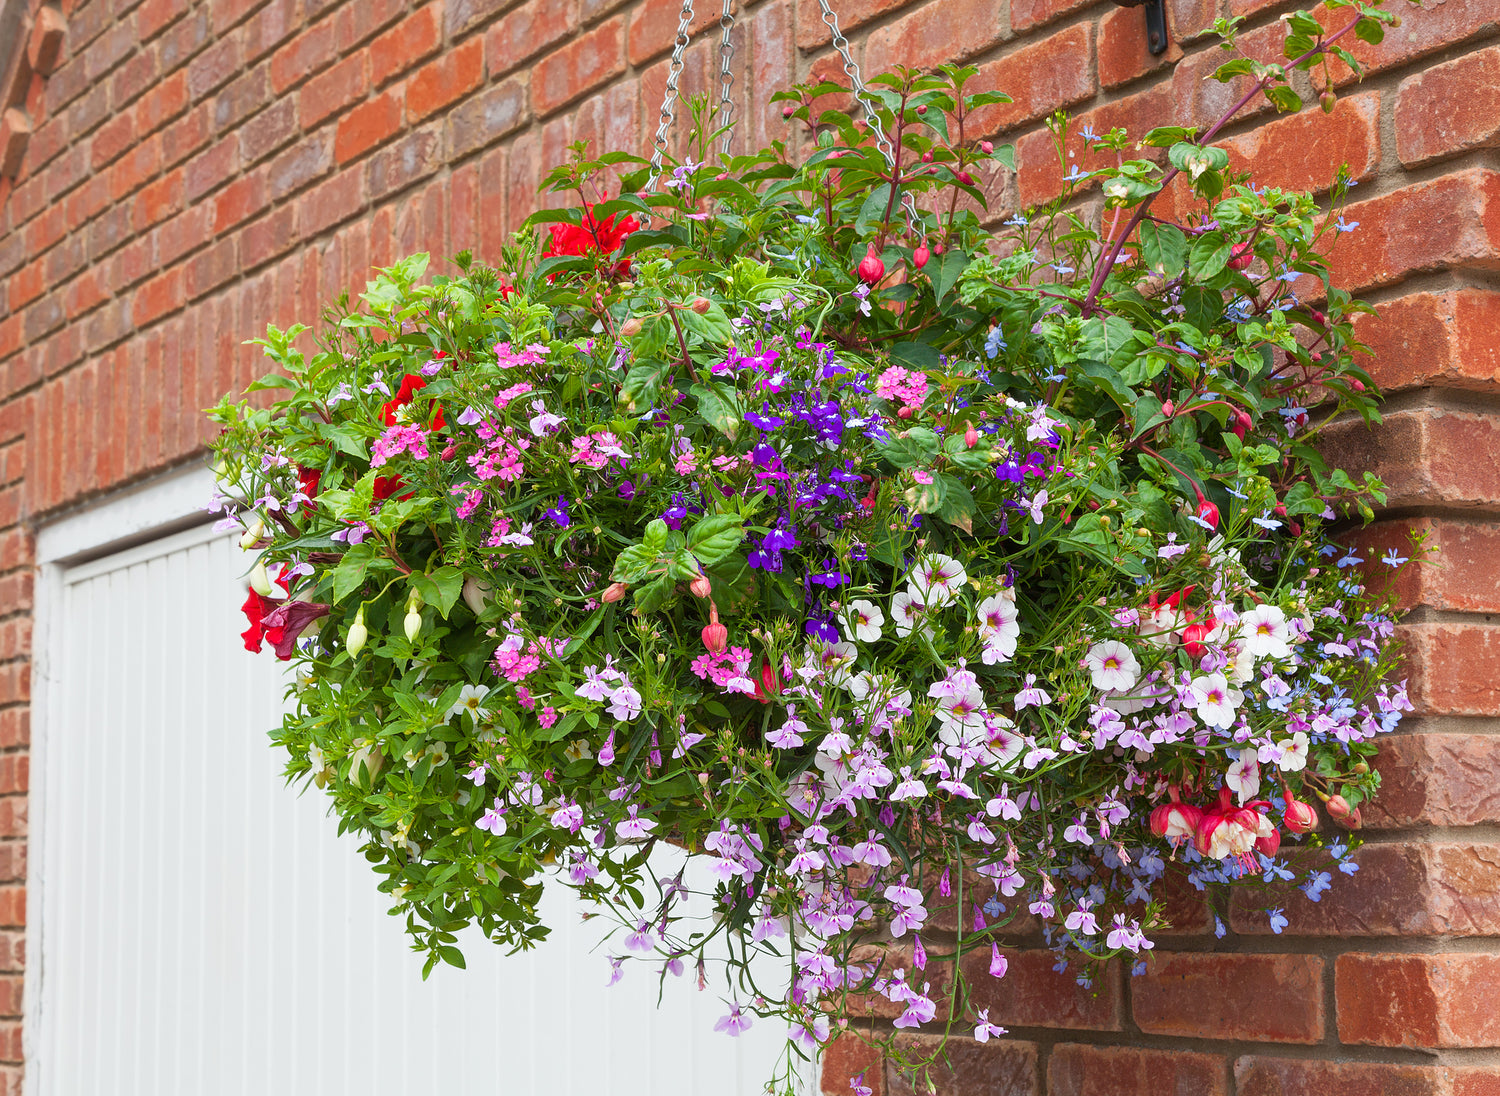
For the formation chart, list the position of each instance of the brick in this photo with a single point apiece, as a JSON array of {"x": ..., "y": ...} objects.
[
  {"x": 331, "y": 202},
  {"x": 133, "y": 77},
  {"x": 47, "y": 141},
  {"x": 1032, "y": 994},
  {"x": 487, "y": 117},
  {"x": 1259, "y": 998},
  {"x": 446, "y": 80},
  {"x": 132, "y": 263},
  {"x": 226, "y": 13},
  {"x": 1002, "y": 1067},
  {"x": 109, "y": 49},
  {"x": 182, "y": 233},
  {"x": 1449, "y": 338},
  {"x": 212, "y": 168},
  {"x": 44, "y": 45},
  {"x": 211, "y": 268},
  {"x": 532, "y": 29},
  {"x": 268, "y": 131},
  {"x": 239, "y": 201},
  {"x": 1076, "y": 1070},
  {"x": 131, "y": 170},
  {"x": 1400, "y": 890},
  {"x": 214, "y": 67},
  {"x": 413, "y": 157},
  {"x": 579, "y": 67},
  {"x": 242, "y": 98},
  {"x": 183, "y": 41},
  {"x": 357, "y": 23},
  {"x": 89, "y": 111},
  {"x": 367, "y": 125},
  {"x": 1435, "y": 780},
  {"x": 1441, "y": 1000},
  {"x": 1449, "y": 108},
  {"x": 1255, "y": 1076},
  {"x": 925, "y": 37},
  {"x": 1304, "y": 151},
  {"x": 345, "y": 83},
  {"x": 414, "y": 38},
  {"x": 773, "y": 61},
  {"x": 1436, "y": 29},
  {"x": 308, "y": 159},
  {"x": 85, "y": 293},
  {"x": 1124, "y": 53},
  {"x": 153, "y": 15},
  {"x": 1462, "y": 573},
  {"x": 46, "y": 315},
  {"x": 1424, "y": 455},
  {"x": 1042, "y": 78},
  {"x": 848, "y": 1058},
  {"x": 653, "y": 29},
  {"x": 158, "y": 201},
  {"x": 812, "y": 32},
  {"x": 161, "y": 103},
  {"x": 302, "y": 56},
  {"x": 462, "y": 15},
  {"x": 1446, "y": 668},
  {"x": 269, "y": 27},
  {"x": 163, "y": 294},
  {"x": 15, "y": 133},
  {"x": 185, "y": 136},
  {"x": 113, "y": 138}
]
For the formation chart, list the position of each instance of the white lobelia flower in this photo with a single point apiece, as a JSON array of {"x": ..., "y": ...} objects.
[
  {"x": 936, "y": 579},
  {"x": 999, "y": 628},
  {"x": 1293, "y": 757},
  {"x": 862, "y": 621},
  {"x": 1243, "y": 777},
  {"x": 471, "y": 700},
  {"x": 1266, "y": 631},
  {"x": 1214, "y": 700},
  {"x": 907, "y": 611},
  {"x": 1112, "y": 666}
]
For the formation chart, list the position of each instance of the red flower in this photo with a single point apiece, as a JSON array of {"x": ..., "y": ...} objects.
[
  {"x": 286, "y": 622},
  {"x": 591, "y": 237},
  {"x": 386, "y": 486},
  {"x": 309, "y": 478},
  {"x": 410, "y": 383},
  {"x": 255, "y": 610}
]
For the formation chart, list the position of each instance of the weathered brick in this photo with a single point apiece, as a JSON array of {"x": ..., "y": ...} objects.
[
  {"x": 1452, "y": 221},
  {"x": 653, "y": 28},
  {"x": 239, "y": 201},
  {"x": 214, "y": 67},
  {"x": 158, "y": 201},
  {"x": 212, "y": 168},
  {"x": 1430, "y": 1000},
  {"x": 1424, "y": 455},
  {"x": 268, "y": 131},
  {"x": 269, "y": 27},
  {"x": 1199, "y": 99},
  {"x": 1449, "y": 338},
  {"x": 414, "y": 38},
  {"x": 303, "y": 56},
  {"x": 211, "y": 268},
  {"x": 327, "y": 204},
  {"x": 579, "y": 67},
  {"x": 462, "y": 15},
  {"x": 1259, "y": 998},
  {"x": 1462, "y": 572},
  {"x": 242, "y": 98},
  {"x": 185, "y": 136},
  {"x": 1077, "y": 1070},
  {"x": 132, "y": 169},
  {"x": 1303, "y": 1077},
  {"x": 812, "y": 32},
  {"x": 183, "y": 41},
  {"x": 1004, "y": 1067},
  {"x": 308, "y": 159},
  {"x": 1040, "y": 79},
  {"x": 1032, "y": 994},
  {"x": 487, "y": 117},
  {"x": 113, "y": 138},
  {"x": 161, "y": 103},
  {"x": 267, "y": 238},
  {"x": 1124, "y": 50},
  {"x": 1446, "y": 668},
  {"x": 1435, "y": 29},
  {"x": 109, "y": 49},
  {"x": 153, "y": 15},
  {"x": 1435, "y": 780},
  {"x": 529, "y": 30},
  {"x": 367, "y": 125},
  {"x": 1040, "y": 172},
  {"x": 182, "y": 233},
  {"x": 163, "y": 294},
  {"x": 397, "y": 166},
  {"x": 358, "y": 22},
  {"x": 1449, "y": 108},
  {"x": 924, "y": 38},
  {"x": 133, "y": 77},
  {"x": 849, "y": 1058},
  {"x": 333, "y": 91},
  {"x": 446, "y": 80}
]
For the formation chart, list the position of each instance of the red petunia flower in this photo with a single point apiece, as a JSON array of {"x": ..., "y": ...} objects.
[
  {"x": 386, "y": 486},
  {"x": 309, "y": 478},
  {"x": 410, "y": 383},
  {"x": 592, "y": 237},
  {"x": 285, "y": 624}
]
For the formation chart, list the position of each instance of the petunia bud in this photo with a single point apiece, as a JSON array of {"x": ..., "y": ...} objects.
[
  {"x": 413, "y": 625},
  {"x": 613, "y": 592},
  {"x": 354, "y": 642},
  {"x": 701, "y": 305},
  {"x": 1299, "y": 817},
  {"x": 260, "y": 582},
  {"x": 1338, "y": 807},
  {"x": 631, "y": 328},
  {"x": 1241, "y": 256},
  {"x": 920, "y": 256},
  {"x": 971, "y": 437},
  {"x": 253, "y": 534},
  {"x": 871, "y": 269}
]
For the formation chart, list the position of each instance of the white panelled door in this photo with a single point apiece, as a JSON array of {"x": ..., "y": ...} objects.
[{"x": 204, "y": 932}]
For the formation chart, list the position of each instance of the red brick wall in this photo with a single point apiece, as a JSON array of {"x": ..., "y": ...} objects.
[{"x": 186, "y": 170}]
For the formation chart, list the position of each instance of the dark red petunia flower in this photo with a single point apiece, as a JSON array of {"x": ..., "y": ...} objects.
[
  {"x": 309, "y": 478},
  {"x": 410, "y": 383},
  {"x": 286, "y": 622}
]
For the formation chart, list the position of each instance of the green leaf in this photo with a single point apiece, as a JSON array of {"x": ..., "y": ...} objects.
[
  {"x": 719, "y": 408},
  {"x": 1208, "y": 257},
  {"x": 1201, "y": 306},
  {"x": 950, "y": 265},
  {"x": 1369, "y": 30},
  {"x": 1240, "y": 66},
  {"x": 1284, "y": 98},
  {"x": 714, "y": 537},
  {"x": 1146, "y": 414},
  {"x": 1163, "y": 136},
  {"x": 657, "y": 533},
  {"x": 927, "y": 498},
  {"x": 349, "y": 575},
  {"x": 915, "y": 355},
  {"x": 1164, "y": 248},
  {"x": 641, "y": 387},
  {"x": 713, "y": 326},
  {"x": 958, "y": 505},
  {"x": 654, "y": 595}
]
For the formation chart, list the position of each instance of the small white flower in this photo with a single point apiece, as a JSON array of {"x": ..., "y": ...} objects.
[
  {"x": 471, "y": 700},
  {"x": 862, "y": 621},
  {"x": 1112, "y": 665},
  {"x": 1243, "y": 777},
  {"x": 999, "y": 628},
  {"x": 1293, "y": 757},
  {"x": 908, "y": 610},
  {"x": 936, "y": 579},
  {"x": 1266, "y": 632},
  {"x": 1213, "y": 699}
]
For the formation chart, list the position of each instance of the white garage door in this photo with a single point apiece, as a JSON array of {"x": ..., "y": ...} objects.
[{"x": 203, "y": 931}]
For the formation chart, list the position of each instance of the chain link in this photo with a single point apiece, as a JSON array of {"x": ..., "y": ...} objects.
[
  {"x": 726, "y": 77},
  {"x": 882, "y": 142},
  {"x": 674, "y": 72}
]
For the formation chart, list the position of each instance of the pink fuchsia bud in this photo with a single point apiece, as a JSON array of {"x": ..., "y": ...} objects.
[
  {"x": 927, "y": 157},
  {"x": 1317, "y": 317},
  {"x": 870, "y": 269},
  {"x": 965, "y": 178},
  {"x": 449, "y": 450},
  {"x": 613, "y": 592},
  {"x": 715, "y": 637},
  {"x": 1177, "y": 822},
  {"x": 1353, "y": 821},
  {"x": 1269, "y": 841},
  {"x": 938, "y": 249},
  {"x": 1194, "y": 635},
  {"x": 631, "y": 327},
  {"x": 1299, "y": 817},
  {"x": 1356, "y": 384},
  {"x": 701, "y": 305},
  {"x": 986, "y": 147},
  {"x": 904, "y": 413},
  {"x": 769, "y": 684},
  {"x": 1338, "y": 807},
  {"x": 1240, "y": 257},
  {"x": 920, "y": 256},
  {"x": 1208, "y": 512},
  {"x": 971, "y": 437},
  {"x": 788, "y": 110},
  {"x": 1242, "y": 423},
  {"x": 1169, "y": 409},
  {"x": 701, "y": 586},
  {"x": 922, "y": 109}
]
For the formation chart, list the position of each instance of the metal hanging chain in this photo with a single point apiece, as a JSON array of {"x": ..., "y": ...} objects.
[
  {"x": 882, "y": 142},
  {"x": 674, "y": 72},
  {"x": 725, "y": 113}
]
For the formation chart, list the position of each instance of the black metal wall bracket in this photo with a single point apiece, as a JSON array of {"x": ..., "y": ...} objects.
[{"x": 1156, "y": 22}]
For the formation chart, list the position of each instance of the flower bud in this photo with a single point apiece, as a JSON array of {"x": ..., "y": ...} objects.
[
  {"x": 1269, "y": 843},
  {"x": 1208, "y": 512},
  {"x": 922, "y": 109},
  {"x": 971, "y": 437},
  {"x": 1299, "y": 817},
  {"x": 986, "y": 147},
  {"x": 870, "y": 269},
  {"x": 927, "y": 157},
  {"x": 1353, "y": 821},
  {"x": 476, "y": 594},
  {"x": 260, "y": 582},
  {"x": 701, "y": 586},
  {"x": 613, "y": 592},
  {"x": 788, "y": 110},
  {"x": 413, "y": 624},
  {"x": 253, "y": 534},
  {"x": 715, "y": 637},
  {"x": 1194, "y": 635},
  {"x": 1240, "y": 256},
  {"x": 965, "y": 178},
  {"x": 1327, "y": 101},
  {"x": 630, "y": 328},
  {"x": 1338, "y": 807},
  {"x": 920, "y": 256},
  {"x": 1169, "y": 409},
  {"x": 904, "y": 413},
  {"x": 1242, "y": 424},
  {"x": 701, "y": 305},
  {"x": 354, "y": 642}
]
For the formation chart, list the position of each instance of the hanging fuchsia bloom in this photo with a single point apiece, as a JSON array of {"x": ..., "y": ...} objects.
[
  {"x": 871, "y": 269},
  {"x": 1176, "y": 821}
]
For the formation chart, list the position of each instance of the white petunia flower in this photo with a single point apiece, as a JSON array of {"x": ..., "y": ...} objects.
[
  {"x": 1243, "y": 777},
  {"x": 936, "y": 579},
  {"x": 1266, "y": 632},
  {"x": 862, "y": 621},
  {"x": 1112, "y": 666},
  {"x": 1214, "y": 700},
  {"x": 1293, "y": 757},
  {"x": 471, "y": 700},
  {"x": 907, "y": 611},
  {"x": 999, "y": 628}
]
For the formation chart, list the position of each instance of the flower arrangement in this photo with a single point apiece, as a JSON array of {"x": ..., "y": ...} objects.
[{"x": 922, "y": 585}]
